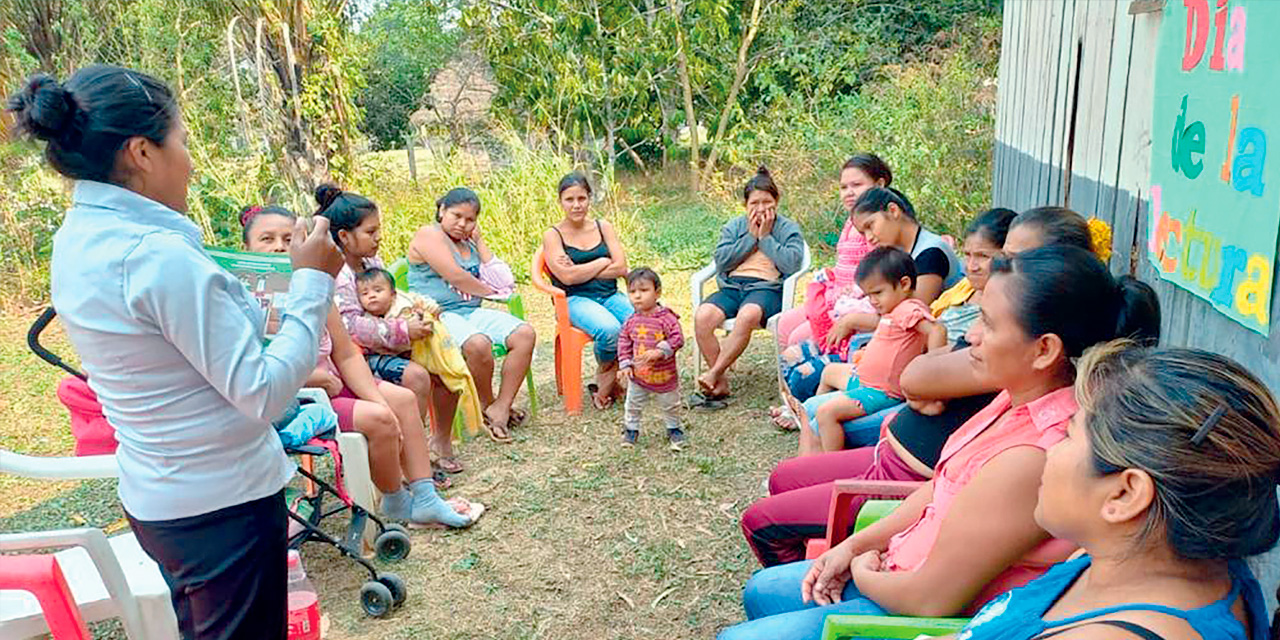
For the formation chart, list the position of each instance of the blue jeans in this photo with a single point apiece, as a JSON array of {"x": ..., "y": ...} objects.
[
  {"x": 602, "y": 320},
  {"x": 859, "y": 432},
  {"x": 776, "y": 612}
]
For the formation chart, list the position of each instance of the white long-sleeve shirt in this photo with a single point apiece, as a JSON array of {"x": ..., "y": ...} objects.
[{"x": 173, "y": 346}]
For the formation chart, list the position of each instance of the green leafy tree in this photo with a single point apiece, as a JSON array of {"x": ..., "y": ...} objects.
[{"x": 404, "y": 43}]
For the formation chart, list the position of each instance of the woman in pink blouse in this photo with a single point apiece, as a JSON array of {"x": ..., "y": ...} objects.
[{"x": 970, "y": 532}]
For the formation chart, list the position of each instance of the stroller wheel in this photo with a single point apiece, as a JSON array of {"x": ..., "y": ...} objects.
[
  {"x": 392, "y": 546},
  {"x": 391, "y": 526},
  {"x": 376, "y": 599},
  {"x": 396, "y": 586}
]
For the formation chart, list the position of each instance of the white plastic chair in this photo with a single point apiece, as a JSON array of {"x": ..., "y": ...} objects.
[
  {"x": 109, "y": 577},
  {"x": 700, "y": 278}
]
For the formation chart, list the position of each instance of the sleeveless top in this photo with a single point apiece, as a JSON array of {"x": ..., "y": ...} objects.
[
  {"x": 925, "y": 240},
  {"x": 1018, "y": 614},
  {"x": 425, "y": 281},
  {"x": 597, "y": 289}
]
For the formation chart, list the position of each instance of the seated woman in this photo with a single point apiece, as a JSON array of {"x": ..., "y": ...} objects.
[
  {"x": 970, "y": 533},
  {"x": 802, "y": 331},
  {"x": 861, "y": 172},
  {"x": 589, "y": 276},
  {"x": 385, "y": 413},
  {"x": 445, "y": 263},
  {"x": 1167, "y": 481},
  {"x": 777, "y": 526},
  {"x": 356, "y": 226},
  {"x": 756, "y": 252}
]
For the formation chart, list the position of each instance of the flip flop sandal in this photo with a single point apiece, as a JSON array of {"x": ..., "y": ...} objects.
[
  {"x": 448, "y": 464},
  {"x": 517, "y": 418},
  {"x": 786, "y": 422},
  {"x": 708, "y": 402},
  {"x": 596, "y": 401},
  {"x": 493, "y": 435}
]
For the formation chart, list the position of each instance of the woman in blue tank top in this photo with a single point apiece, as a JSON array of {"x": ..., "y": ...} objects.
[
  {"x": 445, "y": 263},
  {"x": 1167, "y": 480},
  {"x": 585, "y": 259}
]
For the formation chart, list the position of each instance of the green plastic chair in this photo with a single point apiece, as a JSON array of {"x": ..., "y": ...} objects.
[
  {"x": 843, "y": 627},
  {"x": 515, "y": 306}
]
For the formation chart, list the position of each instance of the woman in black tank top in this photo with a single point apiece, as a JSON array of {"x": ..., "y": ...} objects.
[{"x": 585, "y": 259}]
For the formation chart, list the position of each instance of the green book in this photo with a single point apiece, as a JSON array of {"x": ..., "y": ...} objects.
[{"x": 265, "y": 275}]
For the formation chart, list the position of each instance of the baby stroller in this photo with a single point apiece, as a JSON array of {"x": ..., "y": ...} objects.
[{"x": 383, "y": 591}]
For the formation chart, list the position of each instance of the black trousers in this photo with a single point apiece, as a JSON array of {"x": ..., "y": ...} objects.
[{"x": 225, "y": 569}]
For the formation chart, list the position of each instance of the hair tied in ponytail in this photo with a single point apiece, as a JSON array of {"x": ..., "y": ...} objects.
[
  {"x": 326, "y": 194},
  {"x": 45, "y": 109}
]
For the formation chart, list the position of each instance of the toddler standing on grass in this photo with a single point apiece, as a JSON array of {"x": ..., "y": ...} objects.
[
  {"x": 647, "y": 346},
  {"x": 906, "y": 329}
]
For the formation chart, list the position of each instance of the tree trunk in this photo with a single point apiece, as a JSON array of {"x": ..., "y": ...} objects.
[
  {"x": 686, "y": 87},
  {"x": 739, "y": 78}
]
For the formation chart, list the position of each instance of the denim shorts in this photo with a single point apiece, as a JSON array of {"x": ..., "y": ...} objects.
[
  {"x": 386, "y": 367},
  {"x": 495, "y": 325},
  {"x": 872, "y": 400}
]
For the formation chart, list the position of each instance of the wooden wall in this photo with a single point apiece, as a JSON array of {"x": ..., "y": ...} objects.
[{"x": 1073, "y": 128}]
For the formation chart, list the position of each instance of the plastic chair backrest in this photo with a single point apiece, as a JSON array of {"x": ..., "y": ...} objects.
[
  {"x": 400, "y": 271},
  {"x": 41, "y": 576},
  {"x": 538, "y": 275}
]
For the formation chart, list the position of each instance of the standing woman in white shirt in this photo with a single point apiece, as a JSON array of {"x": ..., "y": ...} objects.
[{"x": 173, "y": 346}]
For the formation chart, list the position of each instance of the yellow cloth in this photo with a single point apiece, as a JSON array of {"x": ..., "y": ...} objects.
[
  {"x": 757, "y": 265},
  {"x": 955, "y": 296},
  {"x": 438, "y": 354}
]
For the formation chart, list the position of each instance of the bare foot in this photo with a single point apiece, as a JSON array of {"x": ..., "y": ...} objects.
[{"x": 708, "y": 382}]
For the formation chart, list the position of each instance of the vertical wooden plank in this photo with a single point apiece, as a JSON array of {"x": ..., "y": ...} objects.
[
  {"x": 1043, "y": 109},
  {"x": 1031, "y": 111},
  {"x": 1051, "y": 69},
  {"x": 1019, "y": 107},
  {"x": 1129, "y": 233},
  {"x": 1007, "y": 88},
  {"x": 1067, "y": 87},
  {"x": 1113, "y": 120},
  {"x": 1095, "y": 27}
]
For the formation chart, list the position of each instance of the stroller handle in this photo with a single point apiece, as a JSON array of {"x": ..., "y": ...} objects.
[{"x": 33, "y": 341}]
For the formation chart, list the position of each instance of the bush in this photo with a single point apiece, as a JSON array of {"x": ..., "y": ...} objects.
[{"x": 931, "y": 119}]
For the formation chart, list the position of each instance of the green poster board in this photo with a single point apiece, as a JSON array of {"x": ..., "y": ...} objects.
[
  {"x": 265, "y": 275},
  {"x": 1215, "y": 197}
]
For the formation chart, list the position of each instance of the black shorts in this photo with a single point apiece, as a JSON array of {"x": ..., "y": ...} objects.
[
  {"x": 387, "y": 368},
  {"x": 225, "y": 569},
  {"x": 731, "y": 299}
]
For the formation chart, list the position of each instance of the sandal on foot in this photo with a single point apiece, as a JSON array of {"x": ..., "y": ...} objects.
[
  {"x": 599, "y": 403},
  {"x": 448, "y": 464},
  {"x": 492, "y": 430},
  {"x": 708, "y": 402},
  {"x": 441, "y": 479},
  {"x": 517, "y": 418}
]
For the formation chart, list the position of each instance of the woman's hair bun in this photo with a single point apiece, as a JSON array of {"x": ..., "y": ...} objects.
[
  {"x": 44, "y": 108},
  {"x": 326, "y": 194},
  {"x": 762, "y": 170}
]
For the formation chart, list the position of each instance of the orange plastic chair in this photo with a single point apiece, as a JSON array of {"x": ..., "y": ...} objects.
[
  {"x": 41, "y": 576},
  {"x": 570, "y": 341},
  {"x": 840, "y": 518}
]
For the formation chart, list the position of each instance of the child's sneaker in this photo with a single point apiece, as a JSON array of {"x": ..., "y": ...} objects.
[
  {"x": 629, "y": 437},
  {"x": 675, "y": 439}
]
